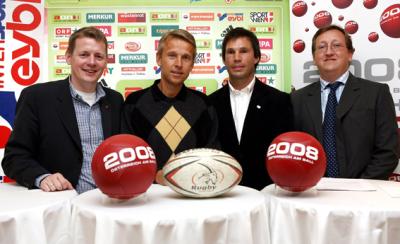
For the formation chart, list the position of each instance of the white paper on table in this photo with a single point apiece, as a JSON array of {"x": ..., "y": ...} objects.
[
  {"x": 392, "y": 188},
  {"x": 341, "y": 184}
]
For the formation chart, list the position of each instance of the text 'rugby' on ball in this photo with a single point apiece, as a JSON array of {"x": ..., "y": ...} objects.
[{"x": 202, "y": 173}]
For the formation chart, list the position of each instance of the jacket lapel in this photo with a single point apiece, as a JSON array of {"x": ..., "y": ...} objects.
[
  {"x": 227, "y": 115},
  {"x": 66, "y": 112},
  {"x": 252, "y": 110},
  {"x": 313, "y": 104},
  {"x": 106, "y": 117},
  {"x": 349, "y": 96}
]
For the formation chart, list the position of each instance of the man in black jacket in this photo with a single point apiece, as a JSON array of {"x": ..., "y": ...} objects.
[
  {"x": 250, "y": 113},
  {"x": 58, "y": 125}
]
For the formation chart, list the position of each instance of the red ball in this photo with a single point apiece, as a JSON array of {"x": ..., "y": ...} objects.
[
  {"x": 299, "y": 8},
  {"x": 390, "y": 21},
  {"x": 298, "y": 46},
  {"x": 295, "y": 161},
  {"x": 373, "y": 37},
  {"x": 322, "y": 18},
  {"x": 370, "y": 4},
  {"x": 351, "y": 27},
  {"x": 124, "y": 166},
  {"x": 342, "y": 3}
]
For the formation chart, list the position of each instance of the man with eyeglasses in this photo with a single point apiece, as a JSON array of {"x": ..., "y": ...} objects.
[{"x": 353, "y": 118}]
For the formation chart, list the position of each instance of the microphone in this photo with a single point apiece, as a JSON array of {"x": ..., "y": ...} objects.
[{"x": 104, "y": 83}]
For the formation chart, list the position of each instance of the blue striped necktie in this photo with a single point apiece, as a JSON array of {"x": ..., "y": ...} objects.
[{"x": 329, "y": 131}]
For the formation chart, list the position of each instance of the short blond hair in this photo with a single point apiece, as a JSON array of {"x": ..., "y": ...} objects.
[{"x": 179, "y": 34}]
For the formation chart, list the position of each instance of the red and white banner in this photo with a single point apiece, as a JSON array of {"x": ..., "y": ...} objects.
[{"x": 22, "y": 53}]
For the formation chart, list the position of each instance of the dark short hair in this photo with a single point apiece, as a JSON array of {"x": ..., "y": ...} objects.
[
  {"x": 90, "y": 32},
  {"x": 242, "y": 32},
  {"x": 347, "y": 37},
  {"x": 179, "y": 34}
]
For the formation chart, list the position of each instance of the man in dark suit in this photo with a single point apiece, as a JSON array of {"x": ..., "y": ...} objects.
[
  {"x": 364, "y": 136},
  {"x": 250, "y": 113},
  {"x": 59, "y": 124}
]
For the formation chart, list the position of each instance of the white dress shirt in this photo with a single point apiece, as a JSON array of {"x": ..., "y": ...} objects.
[
  {"x": 325, "y": 91},
  {"x": 240, "y": 100}
]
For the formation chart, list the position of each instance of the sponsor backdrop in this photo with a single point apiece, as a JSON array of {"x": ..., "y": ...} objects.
[
  {"x": 22, "y": 56},
  {"x": 375, "y": 29},
  {"x": 134, "y": 31},
  {"x": 34, "y": 35}
]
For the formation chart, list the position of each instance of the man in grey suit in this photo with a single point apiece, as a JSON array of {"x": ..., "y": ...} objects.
[{"x": 364, "y": 126}]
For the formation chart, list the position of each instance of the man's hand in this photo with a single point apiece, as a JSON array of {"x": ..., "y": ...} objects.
[{"x": 55, "y": 182}]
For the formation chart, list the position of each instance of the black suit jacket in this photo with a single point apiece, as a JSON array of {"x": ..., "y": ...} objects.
[
  {"x": 269, "y": 114},
  {"x": 45, "y": 137},
  {"x": 366, "y": 135}
]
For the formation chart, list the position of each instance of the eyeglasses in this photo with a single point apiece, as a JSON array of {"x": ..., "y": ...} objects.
[{"x": 323, "y": 47}]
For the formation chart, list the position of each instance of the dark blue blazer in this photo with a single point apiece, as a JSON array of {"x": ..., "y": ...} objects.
[{"x": 45, "y": 137}]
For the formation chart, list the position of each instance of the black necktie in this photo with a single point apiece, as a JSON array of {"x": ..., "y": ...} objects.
[{"x": 329, "y": 131}]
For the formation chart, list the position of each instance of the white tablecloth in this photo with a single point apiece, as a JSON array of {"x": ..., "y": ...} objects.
[
  {"x": 161, "y": 216},
  {"x": 334, "y": 217},
  {"x": 34, "y": 216}
]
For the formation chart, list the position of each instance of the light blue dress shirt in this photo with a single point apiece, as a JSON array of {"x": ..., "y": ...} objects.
[{"x": 325, "y": 91}]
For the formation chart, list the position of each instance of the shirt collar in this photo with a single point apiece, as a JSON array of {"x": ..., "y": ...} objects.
[
  {"x": 343, "y": 78},
  {"x": 246, "y": 90},
  {"x": 158, "y": 95},
  {"x": 100, "y": 93}
]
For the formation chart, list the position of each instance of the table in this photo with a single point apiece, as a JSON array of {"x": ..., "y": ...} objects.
[
  {"x": 34, "y": 216},
  {"x": 318, "y": 217},
  {"x": 161, "y": 216}
]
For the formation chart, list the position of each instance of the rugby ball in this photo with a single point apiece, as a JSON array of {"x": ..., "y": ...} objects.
[{"x": 202, "y": 173}]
